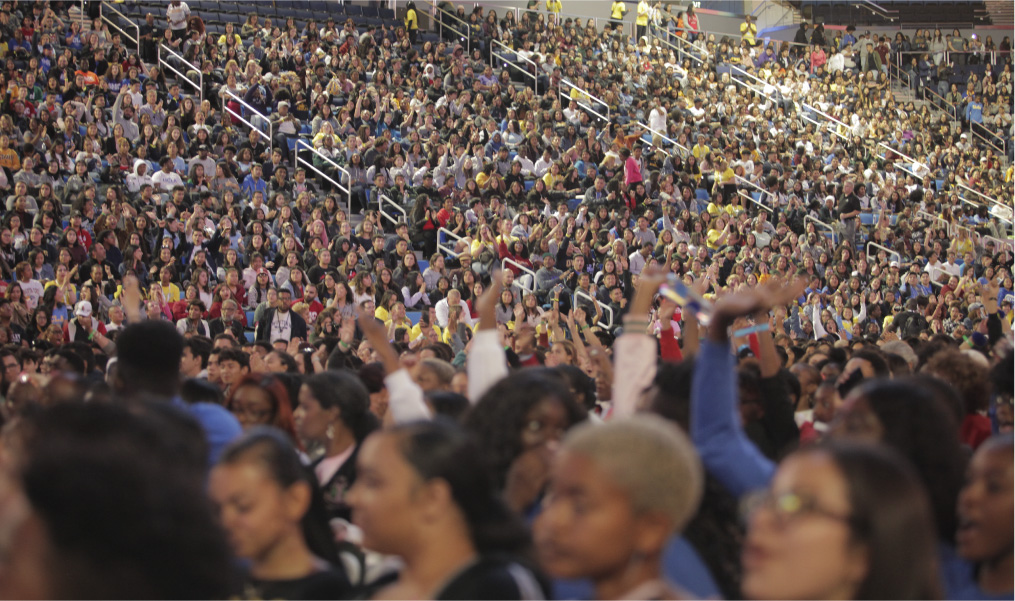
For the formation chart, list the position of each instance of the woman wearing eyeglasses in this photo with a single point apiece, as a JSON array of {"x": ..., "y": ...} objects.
[
  {"x": 262, "y": 400},
  {"x": 841, "y": 522}
]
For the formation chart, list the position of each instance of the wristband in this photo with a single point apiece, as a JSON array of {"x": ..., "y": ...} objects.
[
  {"x": 342, "y": 345},
  {"x": 761, "y": 327}
]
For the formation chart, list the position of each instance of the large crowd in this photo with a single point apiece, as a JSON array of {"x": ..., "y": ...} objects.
[{"x": 509, "y": 306}]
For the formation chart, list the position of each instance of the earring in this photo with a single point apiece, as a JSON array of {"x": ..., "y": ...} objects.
[{"x": 330, "y": 432}]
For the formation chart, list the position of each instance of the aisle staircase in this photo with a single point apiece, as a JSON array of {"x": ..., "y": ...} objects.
[{"x": 1002, "y": 12}]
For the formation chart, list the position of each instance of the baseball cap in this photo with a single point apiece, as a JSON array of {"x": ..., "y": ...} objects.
[{"x": 83, "y": 309}]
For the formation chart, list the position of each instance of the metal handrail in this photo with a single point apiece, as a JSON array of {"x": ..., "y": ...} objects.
[
  {"x": 509, "y": 261},
  {"x": 586, "y": 94},
  {"x": 993, "y": 135},
  {"x": 898, "y": 257},
  {"x": 834, "y": 131},
  {"x": 267, "y": 136},
  {"x": 603, "y": 306},
  {"x": 664, "y": 137},
  {"x": 952, "y": 106},
  {"x": 382, "y": 200},
  {"x": 165, "y": 63},
  {"x": 508, "y": 63},
  {"x": 973, "y": 234},
  {"x": 738, "y": 178},
  {"x": 104, "y": 6},
  {"x": 933, "y": 218},
  {"x": 998, "y": 241},
  {"x": 678, "y": 50},
  {"x": 750, "y": 199},
  {"x": 465, "y": 35},
  {"x": 818, "y": 223},
  {"x": 444, "y": 247},
  {"x": 297, "y": 160},
  {"x": 982, "y": 195}
]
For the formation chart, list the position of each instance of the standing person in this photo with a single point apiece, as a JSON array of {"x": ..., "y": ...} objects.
[
  {"x": 411, "y": 21},
  {"x": 177, "y": 13},
  {"x": 657, "y": 121},
  {"x": 426, "y": 496},
  {"x": 749, "y": 31},
  {"x": 691, "y": 23},
  {"x": 641, "y": 21},
  {"x": 617, "y": 12},
  {"x": 849, "y": 213},
  {"x": 275, "y": 518}
]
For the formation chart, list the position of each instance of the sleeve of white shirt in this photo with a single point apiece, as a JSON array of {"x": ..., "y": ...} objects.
[
  {"x": 405, "y": 398},
  {"x": 486, "y": 363},
  {"x": 442, "y": 313}
]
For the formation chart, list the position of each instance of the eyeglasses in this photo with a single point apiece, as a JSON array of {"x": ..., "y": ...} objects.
[{"x": 786, "y": 507}]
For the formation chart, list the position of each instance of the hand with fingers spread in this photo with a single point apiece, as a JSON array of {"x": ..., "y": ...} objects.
[{"x": 750, "y": 301}]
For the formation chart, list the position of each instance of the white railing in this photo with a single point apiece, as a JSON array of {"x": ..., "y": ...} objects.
[
  {"x": 679, "y": 51},
  {"x": 933, "y": 218},
  {"x": 521, "y": 282},
  {"x": 890, "y": 252},
  {"x": 382, "y": 201},
  {"x": 198, "y": 85},
  {"x": 582, "y": 94},
  {"x": 998, "y": 242},
  {"x": 239, "y": 115},
  {"x": 135, "y": 39},
  {"x": 825, "y": 126},
  {"x": 973, "y": 234},
  {"x": 533, "y": 75},
  {"x": 604, "y": 308},
  {"x": 750, "y": 199},
  {"x": 462, "y": 33},
  {"x": 298, "y": 160},
  {"x": 821, "y": 224},
  {"x": 442, "y": 245},
  {"x": 686, "y": 151}
]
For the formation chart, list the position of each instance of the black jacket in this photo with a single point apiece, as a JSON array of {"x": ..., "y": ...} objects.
[{"x": 263, "y": 331}]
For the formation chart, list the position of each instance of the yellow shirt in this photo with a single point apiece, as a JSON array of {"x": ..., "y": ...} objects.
[
  {"x": 553, "y": 6},
  {"x": 382, "y": 314},
  {"x": 748, "y": 30},
  {"x": 417, "y": 331},
  {"x": 618, "y": 10},
  {"x": 9, "y": 158},
  {"x": 700, "y": 151},
  {"x": 642, "y": 13},
  {"x": 411, "y": 21},
  {"x": 405, "y": 323}
]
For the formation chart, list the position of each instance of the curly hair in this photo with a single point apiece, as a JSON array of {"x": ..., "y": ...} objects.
[
  {"x": 969, "y": 378},
  {"x": 498, "y": 419}
]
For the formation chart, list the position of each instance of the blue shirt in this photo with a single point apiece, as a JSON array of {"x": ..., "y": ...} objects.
[{"x": 219, "y": 425}]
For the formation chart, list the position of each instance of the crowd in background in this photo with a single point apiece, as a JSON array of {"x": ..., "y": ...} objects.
[{"x": 438, "y": 355}]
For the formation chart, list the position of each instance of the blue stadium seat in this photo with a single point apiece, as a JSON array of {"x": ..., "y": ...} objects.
[
  {"x": 414, "y": 316},
  {"x": 867, "y": 219},
  {"x": 529, "y": 183},
  {"x": 249, "y": 335},
  {"x": 250, "y": 318},
  {"x": 701, "y": 194},
  {"x": 423, "y": 265}
]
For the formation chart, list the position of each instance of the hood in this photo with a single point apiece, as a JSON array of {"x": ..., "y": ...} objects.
[{"x": 137, "y": 165}]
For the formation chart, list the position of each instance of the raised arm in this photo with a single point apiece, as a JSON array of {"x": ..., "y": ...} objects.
[
  {"x": 405, "y": 396},
  {"x": 487, "y": 362}
]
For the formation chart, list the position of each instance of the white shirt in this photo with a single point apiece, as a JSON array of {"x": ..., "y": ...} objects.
[
  {"x": 177, "y": 15},
  {"x": 442, "y": 313},
  {"x": 281, "y": 326},
  {"x": 541, "y": 167},
  {"x": 657, "y": 120},
  {"x": 165, "y": 182}
]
